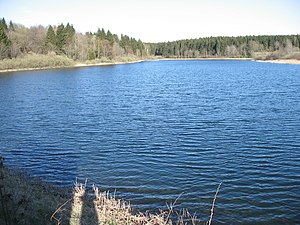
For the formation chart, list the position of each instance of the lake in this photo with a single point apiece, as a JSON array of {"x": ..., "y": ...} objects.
[{"x": 154, "y": 130}]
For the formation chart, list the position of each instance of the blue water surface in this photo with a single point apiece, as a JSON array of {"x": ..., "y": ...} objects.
[{"x": 154, "y": 130}]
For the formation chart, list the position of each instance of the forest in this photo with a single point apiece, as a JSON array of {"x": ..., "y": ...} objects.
[
  {"x": 17, "y": 40},
  {"x": 270, "y": 47},
  {"x": 62, "y": 45}
]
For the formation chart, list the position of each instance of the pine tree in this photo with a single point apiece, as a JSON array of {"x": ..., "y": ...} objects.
[
  {"x": 116, "y": 38},
  {"x": 60, "y": 38},
  {"x": 69, "y": 48},
  {"x": 69, "y": 32},
  {"x": 3, "y": 37},
  {"x": 4, "y": 44},
  {"x": 103, "y": 34},
  {"x": 141, "y": 47},
  {"x": 110, "y": 37},
  {"x": 50, "y": 42},
  {"x": 11, "y": 26},
  {"x": 3, "y": 24}
]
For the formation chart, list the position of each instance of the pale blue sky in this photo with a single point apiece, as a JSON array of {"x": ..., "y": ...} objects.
[{"x": 161, "y": 20}]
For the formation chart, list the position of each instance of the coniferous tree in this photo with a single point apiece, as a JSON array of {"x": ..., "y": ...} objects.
[
  {"x": 50, "y": 39},
  {"x": 103, "y": 34},
  {"x": 4, "y": 44},
  {"x": 3, "y": 37},
  {"x": 60, "y": 39},
  {"x": 11, "y": 26},
  {"x": 69, "y": 32},
  {"x": 110, "y": 37},
  {"x": 116, "y": 38},
  {"x": 141, "y": 47},
  {"x": 70, "y": 41},
  {"x": 3, "y": 24}
]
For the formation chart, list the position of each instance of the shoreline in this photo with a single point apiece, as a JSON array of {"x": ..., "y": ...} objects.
[
  {"x": 82, "y": 64},
  {"x": 76, "y": 65},
  {"x": 32, "y": 200},
  {"x": 107, "y": 63},
  {"x": 281, "y": 61},
  {"x": 203, "y": 59},
  {"x": 79, "y": 64}
]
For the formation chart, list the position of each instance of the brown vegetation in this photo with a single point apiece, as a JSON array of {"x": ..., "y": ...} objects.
[
  {"x": 31, "y": 201},
  {"x": 282, "y": 52},
  {"x": 32, "y": 60},
  {"x": 28, "y": 201}
]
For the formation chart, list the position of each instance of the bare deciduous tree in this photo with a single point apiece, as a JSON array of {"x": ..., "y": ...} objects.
[{"x": 231, "y": 51}]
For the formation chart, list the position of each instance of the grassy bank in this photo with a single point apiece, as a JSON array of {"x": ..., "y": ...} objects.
[
  {"x": 31, "y": 201},
  {"x": 28, "y": 200},
  {"x": 50, "y": 61},
  {"x": 34, "y": 61}
]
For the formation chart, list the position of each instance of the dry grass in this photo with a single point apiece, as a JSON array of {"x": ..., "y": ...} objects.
[
  {"x": 34, "y": 202},
  {"x": 97, "y": 61},
  {"x": 36, "y": 61},
  {"x": 127, "y": 58},
  {"x": 30, "y": 201},
  {"x": 279, "y": 54},
  {"x": 105, "y": 209}
]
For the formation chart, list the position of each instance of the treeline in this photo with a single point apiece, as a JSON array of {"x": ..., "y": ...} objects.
[
  {"x": 245, "y": 46},
  {"x": 17, "y": 40}
]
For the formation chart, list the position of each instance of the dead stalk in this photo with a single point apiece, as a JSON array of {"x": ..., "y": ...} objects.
[
  {"x": 213, "y": 205},
  {"x": 171, "y": 207},
  {"x": 59, "y": 208}
]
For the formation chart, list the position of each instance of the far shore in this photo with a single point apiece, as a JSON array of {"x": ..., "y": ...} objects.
[
  {"x": 281, "y": 61},
  {"x": 204, "y": 59},
  {"x": 78, "y": 65},
  {"x": 107, "y": 63}
]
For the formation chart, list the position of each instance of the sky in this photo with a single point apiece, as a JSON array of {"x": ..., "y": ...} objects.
[{"x": 161, "y": 20}]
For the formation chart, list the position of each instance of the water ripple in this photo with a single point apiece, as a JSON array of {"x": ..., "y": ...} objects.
[{"x": 154, "y": 130}]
